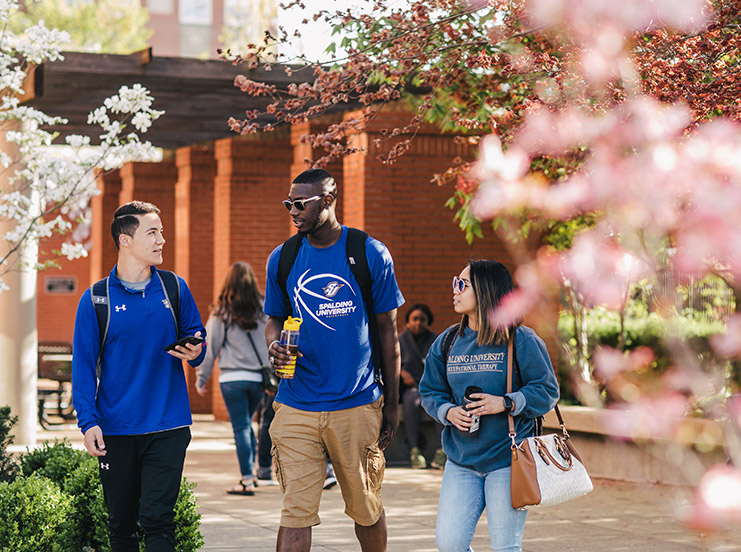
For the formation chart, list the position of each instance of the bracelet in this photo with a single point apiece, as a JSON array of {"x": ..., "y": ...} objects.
[{"x": 272, "y": 343}]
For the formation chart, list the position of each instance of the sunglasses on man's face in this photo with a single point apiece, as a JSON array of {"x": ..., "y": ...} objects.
[
  {"x": 460, "y": 284},
  {"x": 300, "y": 204}
]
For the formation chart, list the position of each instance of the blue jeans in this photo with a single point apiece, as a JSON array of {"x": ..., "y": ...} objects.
[
  {"x": 463, "y": 495},
  {"x": 242, "y": 399}
]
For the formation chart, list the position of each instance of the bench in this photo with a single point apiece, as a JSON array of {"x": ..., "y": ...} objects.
[{"x": 55, "y": 381}]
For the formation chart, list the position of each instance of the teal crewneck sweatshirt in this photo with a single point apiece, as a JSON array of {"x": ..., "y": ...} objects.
[{"x": 443, "y": 387}]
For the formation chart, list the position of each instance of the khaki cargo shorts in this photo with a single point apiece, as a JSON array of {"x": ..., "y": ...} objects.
[{"x": 304, "y": 441}]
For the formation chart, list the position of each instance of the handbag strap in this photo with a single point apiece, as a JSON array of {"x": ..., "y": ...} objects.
[
  {"x": 510, "y": 417},
  {"x": 257, "y": 355}
]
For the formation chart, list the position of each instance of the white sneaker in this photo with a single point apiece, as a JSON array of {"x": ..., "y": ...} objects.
[
  {"x": 330, "y": 482},
  {"x": 266, "y": 482}
]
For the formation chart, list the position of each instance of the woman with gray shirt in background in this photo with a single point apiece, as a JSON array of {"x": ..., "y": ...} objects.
[{"x": 236, "y": 330}]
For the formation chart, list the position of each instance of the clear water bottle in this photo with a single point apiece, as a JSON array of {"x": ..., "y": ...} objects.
[{"x": 289, "y": 339}]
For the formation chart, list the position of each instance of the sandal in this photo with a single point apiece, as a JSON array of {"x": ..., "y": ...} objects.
[{"x": 242, "y": 489}]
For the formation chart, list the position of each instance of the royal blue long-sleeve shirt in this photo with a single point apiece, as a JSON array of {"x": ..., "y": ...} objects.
[
  {"x": 443, "y": 386},
  {"x": 142, "y": 388}
]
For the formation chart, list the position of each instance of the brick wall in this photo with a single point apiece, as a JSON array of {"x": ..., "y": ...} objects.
[
  {"x": 55, "y": 311},
  {"x": 103, "y": 253},
  {"x": 304, "y": 155},
  {"x": 194, "y": 238},
  {"x": 155, "y": 183},
  {"x": 252, "y": 179},
  {"x": 399, "y": 205}
]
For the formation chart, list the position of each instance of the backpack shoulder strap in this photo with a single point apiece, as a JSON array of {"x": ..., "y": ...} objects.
[
  {"x": 518, "y": 375},
  {"x": 99, "y": 296},
  {"x": 451, "y": 334},
  {"x": 357, "y": 260},
  {"x": 171, "y": 287},
  {"x": 288, "y": 254}
]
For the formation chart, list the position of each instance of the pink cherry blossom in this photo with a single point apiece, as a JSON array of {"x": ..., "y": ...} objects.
[
  {"x": 649, "y": 417},
  {"x": 610, "y": 362},
  {"x": 717, "y": 500},
  {"x": 601, "y": 270},
  {"x": 522, "y": 300},
  {"x": 729, "y": 343}
]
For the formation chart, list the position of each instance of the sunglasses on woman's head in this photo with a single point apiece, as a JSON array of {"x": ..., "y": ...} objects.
[
  {"x": 460, "y": 284},
  {"x": 300, "y": 203}
]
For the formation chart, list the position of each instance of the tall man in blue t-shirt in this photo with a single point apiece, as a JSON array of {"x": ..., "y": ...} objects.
[
  {"x": 131, "y": 398},
  {"x": 332, "y": 409}
]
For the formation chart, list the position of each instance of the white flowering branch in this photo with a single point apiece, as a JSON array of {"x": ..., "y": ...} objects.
[{"x": 44, "y": 190}]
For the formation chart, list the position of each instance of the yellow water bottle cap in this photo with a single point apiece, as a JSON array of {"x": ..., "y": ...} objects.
[{"x": 292, "y": 324}]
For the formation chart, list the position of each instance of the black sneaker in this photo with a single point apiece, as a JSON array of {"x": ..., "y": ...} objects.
[{"x": 330, "y": 482}]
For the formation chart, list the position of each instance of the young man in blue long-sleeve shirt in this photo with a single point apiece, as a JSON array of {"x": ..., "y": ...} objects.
[{"x": 130, "y": 394}]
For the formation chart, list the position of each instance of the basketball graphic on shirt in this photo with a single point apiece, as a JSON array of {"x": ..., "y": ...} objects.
[{"x": 324, "y": 297}]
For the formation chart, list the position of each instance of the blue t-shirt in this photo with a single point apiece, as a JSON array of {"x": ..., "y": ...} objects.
[{"x": 336, "y": 370}]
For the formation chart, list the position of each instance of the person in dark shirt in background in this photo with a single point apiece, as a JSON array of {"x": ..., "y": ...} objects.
[{"x": 415, "y": 341}]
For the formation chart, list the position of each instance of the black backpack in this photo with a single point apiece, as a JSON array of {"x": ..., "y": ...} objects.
[
  {"x": 99, "y": 295},
  {"x": 358, "y": 262},
  {"x": 451, "y": 334}
]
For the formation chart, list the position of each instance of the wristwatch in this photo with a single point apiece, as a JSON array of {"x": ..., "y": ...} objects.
[{"x": 509, "y": 404}]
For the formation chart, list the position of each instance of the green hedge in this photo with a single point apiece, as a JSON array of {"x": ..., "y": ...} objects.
[
  {"x": 8, "y": 464},
  {"x": 34, "y": 516},
  {"x": 56, "y": 504},
  {"x": 650, "y": 330}
]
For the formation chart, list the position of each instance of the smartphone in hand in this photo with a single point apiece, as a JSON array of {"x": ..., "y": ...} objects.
[{"x": 193, "y": 340}]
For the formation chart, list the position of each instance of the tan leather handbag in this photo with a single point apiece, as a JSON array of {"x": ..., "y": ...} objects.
[{"x": 546, "y": 469}]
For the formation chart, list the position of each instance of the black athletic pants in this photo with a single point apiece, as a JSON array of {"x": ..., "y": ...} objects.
[{"x": 141, "y": 480}]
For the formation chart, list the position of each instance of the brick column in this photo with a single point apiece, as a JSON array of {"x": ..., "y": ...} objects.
[
  {"x": 253, "y": 175},
  {"x": 155, "y": 183},
  {"x": 194, "y": 235},
  {"x": 304, "y": 155},
  {"x": 103, "y": 253}
]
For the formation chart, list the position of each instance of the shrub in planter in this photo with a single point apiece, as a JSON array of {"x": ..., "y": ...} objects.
[
  {"x": 188, "y": 537},
  {"x": 89, "y": 515},
  {"x": 34, "y": 515},
  {"x": 8, "y": 465},
  {"x": 53, "y": 460},
  {"x": 76, "y": 473}
]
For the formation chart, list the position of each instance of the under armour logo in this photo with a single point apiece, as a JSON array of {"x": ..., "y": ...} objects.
[
  {"x": 121, "y": 308},
  {"x": 351, "y": 260},
  {"x": 105, "y": 466},
  {"x": 99, "y": 299}
]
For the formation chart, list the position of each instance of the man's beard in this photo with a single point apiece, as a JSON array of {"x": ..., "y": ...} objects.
[{"x": 315, "y": 226}]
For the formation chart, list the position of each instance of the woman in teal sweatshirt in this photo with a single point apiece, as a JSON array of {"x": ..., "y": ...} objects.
[{"x": 477, "y": 472}]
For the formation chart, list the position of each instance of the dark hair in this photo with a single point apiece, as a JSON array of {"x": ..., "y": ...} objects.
[
  {"x": 125, "y": 220},
  {"x": 318, "y": 177},
  {"x": 239, "y": 301},
  {"x": 490, "y": 281},
  {"x": 422, "y": 307}
]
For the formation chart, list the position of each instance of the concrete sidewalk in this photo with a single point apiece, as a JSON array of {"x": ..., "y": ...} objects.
[{"x": 617, "y": 516}]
